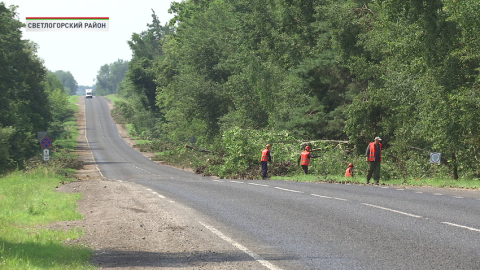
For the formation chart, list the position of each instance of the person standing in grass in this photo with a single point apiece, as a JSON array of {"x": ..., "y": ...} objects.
[
  {"x": 304, "y": 159},
  {"x": 349, "y": 170},
  {"x": 264, "y": 161},
  {"x": 373, "y": 157}
]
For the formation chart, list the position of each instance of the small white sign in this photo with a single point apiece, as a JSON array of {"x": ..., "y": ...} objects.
[
  {"x": 46, "y": 154},
  {"x": 435, "y": 158}
]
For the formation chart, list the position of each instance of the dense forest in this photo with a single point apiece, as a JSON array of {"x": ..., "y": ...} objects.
[
  {"x": 311, "y": 70},
  {"x": 235, "y": 75},
  {"x": 33, "y": 98}
]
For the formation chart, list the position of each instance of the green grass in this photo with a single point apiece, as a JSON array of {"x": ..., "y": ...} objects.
[
  {"x": 113, "y": 97},
  {"x": 68, "y": 139},
  {"x": 29, "y": 203},
  {"x": 430, "y": 182}
]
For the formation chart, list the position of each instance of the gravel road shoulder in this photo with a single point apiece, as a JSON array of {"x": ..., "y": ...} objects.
[{"x": 131, "y": 227}]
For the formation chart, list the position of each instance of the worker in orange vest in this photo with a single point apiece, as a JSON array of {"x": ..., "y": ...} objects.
[
  {"x": 349, "y": 170},
  {"x": 304, "y": 159},
  {"x": 264, "y": 160},
  {"x": 373, "y": 156}
]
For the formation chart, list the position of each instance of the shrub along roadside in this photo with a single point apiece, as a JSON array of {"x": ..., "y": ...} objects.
[{"x": 29, "y": 203}]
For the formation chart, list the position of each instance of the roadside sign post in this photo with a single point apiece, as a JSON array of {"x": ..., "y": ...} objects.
[
  {"x": 46, "y": 142},
  {"x": 40, "y": 135},
  {"x": 435, "y": 159},
  {"x": 46, "y": 154}
]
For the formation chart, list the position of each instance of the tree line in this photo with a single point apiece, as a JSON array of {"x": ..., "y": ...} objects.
[
  {"x": 33, "y": 98},
  {"x": 407, "y": 71}
]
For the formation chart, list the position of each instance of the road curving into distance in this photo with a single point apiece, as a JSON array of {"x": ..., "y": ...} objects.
[{"x": 292, "y": 225}]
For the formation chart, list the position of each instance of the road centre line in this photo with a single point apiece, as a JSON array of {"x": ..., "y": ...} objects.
[
  {"x": 238, "y": 182},
  {"x": 291, "y": 190},
  {"x": 321, "y": 196},
  {"x": 328, "y": 197},
  {"x": 258, "y": 184},
  {"x": 461, "y": 226},
  {"x": 252, "y": 254},
  {"x": 391, "y": 210}
]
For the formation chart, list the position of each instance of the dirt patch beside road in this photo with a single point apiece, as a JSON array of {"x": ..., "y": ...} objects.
[{"x": 131, "y": 227}]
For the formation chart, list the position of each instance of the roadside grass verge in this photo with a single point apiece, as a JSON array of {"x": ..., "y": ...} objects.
[
  {"x": 29, "y": 202},
  {"x": 119, "y": 119},
  {"x": 360, "y": 179}
]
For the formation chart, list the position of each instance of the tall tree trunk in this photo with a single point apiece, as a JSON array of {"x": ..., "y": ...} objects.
[{"x": 454, "y": 166}]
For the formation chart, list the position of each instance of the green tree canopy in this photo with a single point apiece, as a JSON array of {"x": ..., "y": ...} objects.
[
  {"x": 109, "y": 77},
  {"x": 68, "y": 81}
]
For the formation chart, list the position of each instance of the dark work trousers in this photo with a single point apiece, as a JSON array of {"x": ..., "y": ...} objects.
[
  {"x": 305, "y": 169},
  {"x": 373, "y": 170},
  {"x": 264, "y": 169}
]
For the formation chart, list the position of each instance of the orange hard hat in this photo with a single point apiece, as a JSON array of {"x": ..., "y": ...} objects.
[
  {"x": 350, "y": 165},
  {"x": 307, "y": 147}
]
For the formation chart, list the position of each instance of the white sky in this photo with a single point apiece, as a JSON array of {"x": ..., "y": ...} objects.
[{"x": 83, "y": 53}]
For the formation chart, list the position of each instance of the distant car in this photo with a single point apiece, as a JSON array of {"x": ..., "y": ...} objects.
[{"x": 88, "y": 93}]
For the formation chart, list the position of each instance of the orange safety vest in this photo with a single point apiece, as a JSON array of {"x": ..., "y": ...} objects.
[
  {"x": 371, "y": 151},
  {"x": 264, "y": 155},
  {"x": 304, "y": 159},
  {"x": 348, "y": 172}
]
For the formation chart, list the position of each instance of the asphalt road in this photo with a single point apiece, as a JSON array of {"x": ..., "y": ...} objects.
[{"x": 290, "y": 225}]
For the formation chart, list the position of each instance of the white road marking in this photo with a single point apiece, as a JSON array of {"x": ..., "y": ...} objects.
[
  {"x": 327, "y": 197},
  {"x": 458, "y": 197},
  {"x": 258, "y": 185},
  {"x": 321, "y": 196},
  {"x": 291, "y": 190},
  {"x": 161, "y": 196},
  {"x": 236, "y": 182},
  {"x": 218, "y": 181},
  {"x": 241, "y": 247},
  {"x": 461, "y": 226},
  {"x": 400, "y": 189},
  {"x": 392, "y": 210},
  {"x": 437, "y": 194}
]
